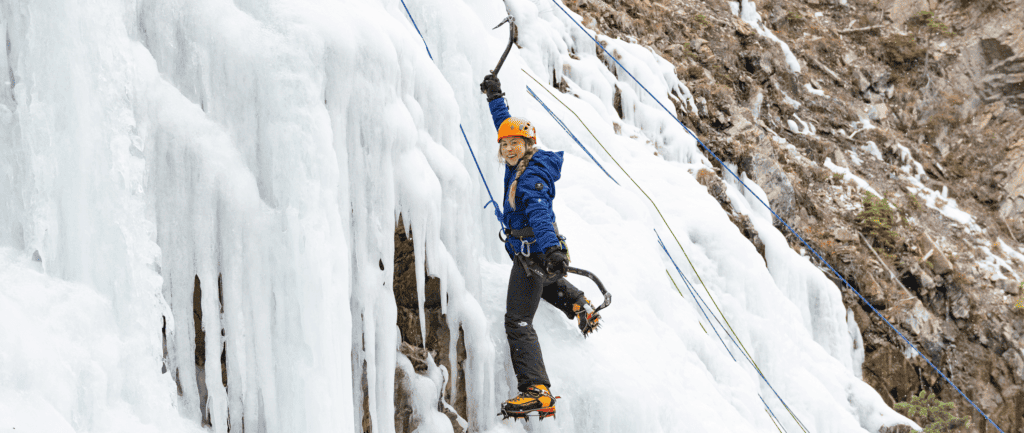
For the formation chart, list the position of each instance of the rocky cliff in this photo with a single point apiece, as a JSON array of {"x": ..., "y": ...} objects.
[{"x": 890, "y": 134}]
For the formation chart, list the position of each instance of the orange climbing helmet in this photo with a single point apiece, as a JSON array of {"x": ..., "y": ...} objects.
[{"x": 517, "y": 127}]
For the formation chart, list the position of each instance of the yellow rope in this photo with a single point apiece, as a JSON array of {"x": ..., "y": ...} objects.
[
  {"x": 672, "y": 232},
  {"x": 663, "y": 219}
]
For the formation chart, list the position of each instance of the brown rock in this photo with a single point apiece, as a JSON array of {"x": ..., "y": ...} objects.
[
  {"x": 405, "y": 275},
  {"x": 873, "y": 292},
  {"x": 844, "y": 234},
  {"x": 960, "y": 307},
  {"x": 913, "y": 315},
  {"x": 899, "y": 11},
  {"x": 939, "y": 263},
  {"x": 898, "y": 428},
  {"x": 743, "y": 29},
  {"x": 990, "y": 399},
  {"x": 367, "y": 421},
  {"x": 438, "y": 338},
  {"x": 747, "y": 229},
  {"x": 1011, "y": 287},
  {"x": 770, "y": 176},
  {"x": 715, "y": 187},
  {"x": 862, "y": 82},
  {"x": 1013, "y": 182},
  {"x": 839, "y": 157},
  {"x": 406, "y": 419}
]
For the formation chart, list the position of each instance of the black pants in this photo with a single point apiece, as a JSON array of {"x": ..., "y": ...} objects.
[{"x": 524, "y": 295}]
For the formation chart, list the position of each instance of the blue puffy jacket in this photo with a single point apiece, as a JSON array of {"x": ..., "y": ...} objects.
[{"x": 534, "y": 193}]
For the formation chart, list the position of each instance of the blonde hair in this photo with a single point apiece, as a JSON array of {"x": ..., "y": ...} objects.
[{"x": 523, "y": 162}]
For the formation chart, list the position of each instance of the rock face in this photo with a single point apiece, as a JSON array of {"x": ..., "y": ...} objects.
[
  {"x": 1012, "y": 173},
  {"x": 423, "y": 353},
  {"x": 920, "y": 99},
  {"x": 768, "y": 173}
]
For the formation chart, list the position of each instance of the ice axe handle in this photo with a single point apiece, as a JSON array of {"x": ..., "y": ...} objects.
[
  {"x": 511, "y": 35},
  {"x": 588, "y": 274}
]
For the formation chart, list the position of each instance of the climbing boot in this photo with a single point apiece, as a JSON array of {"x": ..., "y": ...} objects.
[
  {"x": 535, "y": 400},
  {"x": 589, "y": 320}
]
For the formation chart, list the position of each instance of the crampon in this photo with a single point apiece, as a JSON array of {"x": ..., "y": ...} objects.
[
  {"x": 589, "y": 324},
  {"x": 537, "y": 413},
  {"x": 535, "y": 401},
  {"x": 587, "y": 317}
]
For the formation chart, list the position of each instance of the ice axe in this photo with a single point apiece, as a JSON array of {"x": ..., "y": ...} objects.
[
  {"x": 550, "y": 277},
  {"x": 588, "y": 274},
  {"x": 511, "y": 39}
]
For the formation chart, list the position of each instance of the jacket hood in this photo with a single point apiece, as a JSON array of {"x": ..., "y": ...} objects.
[{"x": 549, "y": 164}]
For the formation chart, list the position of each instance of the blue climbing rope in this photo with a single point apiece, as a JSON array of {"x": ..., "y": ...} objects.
[
  {"x": 497, "y": 214},
  {"x": 847, "y": 283},
  {"x": 696, "y": 296},
  {"x": 699, "y": 300},
  {"x": 701, "y": 307},
  {"x": 417, "y": 30},
  {"x": 567, "y": 131},
  {"x": 497, "y": 209},
  {"x": 775, "y": 419},
  {"x": 689, "y": 286}
]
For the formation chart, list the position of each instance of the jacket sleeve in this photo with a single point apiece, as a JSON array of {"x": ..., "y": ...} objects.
[
  {"x": 499, "y": 111},
  {"x": 537, "y": 198}
]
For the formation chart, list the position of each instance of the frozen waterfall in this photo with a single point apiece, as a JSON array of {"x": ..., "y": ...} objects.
[{"x": 241, "y": 166}]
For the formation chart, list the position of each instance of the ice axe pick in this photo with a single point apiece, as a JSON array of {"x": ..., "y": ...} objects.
[{"x": 511, "y": 38}]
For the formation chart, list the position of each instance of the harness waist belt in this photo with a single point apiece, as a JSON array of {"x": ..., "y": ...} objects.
[{"x": 526, "y": 232}]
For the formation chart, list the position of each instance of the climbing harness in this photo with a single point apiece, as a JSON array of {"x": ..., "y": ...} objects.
[
  {"x": 524, "y": 245},
  {"x": 537, "y": 271},
  {"x": 791, "y": 230}
]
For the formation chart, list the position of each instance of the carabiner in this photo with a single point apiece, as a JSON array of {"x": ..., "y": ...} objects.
[{"x": 527, "y": 247}]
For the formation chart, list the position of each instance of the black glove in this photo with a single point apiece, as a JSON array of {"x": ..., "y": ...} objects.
[
  {"x": 492, "y": 87},
  {"x": 555, "y": 261}
]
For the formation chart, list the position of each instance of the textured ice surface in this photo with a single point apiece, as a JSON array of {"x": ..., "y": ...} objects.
[{"x": 252, "y": 157}]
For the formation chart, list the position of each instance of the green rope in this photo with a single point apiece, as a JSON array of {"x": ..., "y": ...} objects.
[
  {"x": 663, "y": 219},
  {"x": 672, "y": 232},
  {"x": 773, "y": 420},
  {"x": 673, "y": 280}
]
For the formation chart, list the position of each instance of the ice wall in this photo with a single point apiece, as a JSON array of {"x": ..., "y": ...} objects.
[{"x": 249, "y": 159}]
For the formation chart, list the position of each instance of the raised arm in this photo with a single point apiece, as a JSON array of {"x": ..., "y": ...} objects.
[{"x": 495, "y": 99}]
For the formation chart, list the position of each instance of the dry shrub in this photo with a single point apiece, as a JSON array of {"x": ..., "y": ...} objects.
[{"x": 902, "y": 53}]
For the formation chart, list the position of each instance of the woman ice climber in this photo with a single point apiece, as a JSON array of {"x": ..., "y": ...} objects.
[{"x": 539, "y": 256}]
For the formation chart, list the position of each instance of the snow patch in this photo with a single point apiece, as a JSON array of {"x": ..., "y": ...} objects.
[
  {"x": 813, "y": 91},
  {"x": 847, "y": 174},
  {"x": 747, "y": 11}
]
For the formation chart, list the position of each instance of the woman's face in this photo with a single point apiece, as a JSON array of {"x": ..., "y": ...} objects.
[{"x": 512, "y": 149}]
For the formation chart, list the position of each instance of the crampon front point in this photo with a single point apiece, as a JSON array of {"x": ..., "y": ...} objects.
[{"x": 536, "y": 413}]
